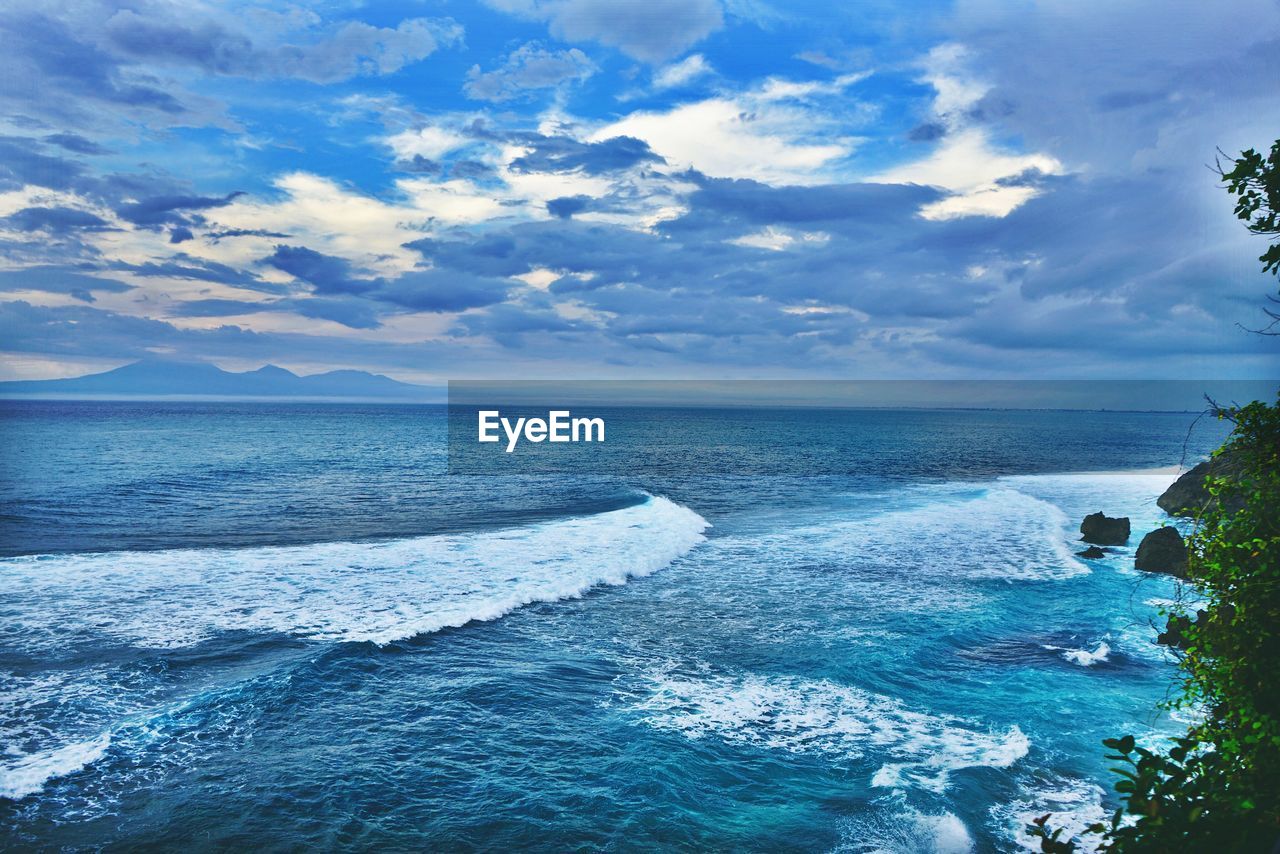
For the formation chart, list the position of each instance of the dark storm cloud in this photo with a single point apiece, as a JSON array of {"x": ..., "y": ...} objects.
[
  {"x": 77, "y": 330},
  {"x": 878, "y": 259},
  {"x": 927, "y": 132},
  {"x": 182, "y": 266},
  {"x": 171, "y": 210},
  {"x": 566, "y": 206},
  {"x": 872, "y": 256},
  {"x": 83, "y": 331},
  {"x": 59, "y": 280},
  {"x": 22, "y": 163},
  {"x": 76, "y": 143},
  {"x": 563, "y": 154},
  {"x": 1167, "y": 80},
  {"x": 419, "y": 290},
  {"x": 54, "y": 220},
  {"x": 45, "y": 54},
  {"x": 484, "y": 255},
  {"x": 747, "y": 201},
  {"x": 875, "y": 254},
  {"x": 328, "y": 274},
  {"x": 97, "y": 65},
  {"x": 346, "y": 50},
  {"x": 638, "y": 311},
  {"x": 1087, "y": 238},
  {"x": 218, "y": 307},
  {"x": 353, "y": 313},
  {"x": 515, "y": 320},
  {"x": 512, "y": 326},
  {"x": 422, "y": 291},
  {"x": 1060, "y": 328},
  {"x": 419, "y": 164},
  {"x": 148, "y": 200},
  {"x": 438, "y": 291},
  {"x": 242, "y": 232}
]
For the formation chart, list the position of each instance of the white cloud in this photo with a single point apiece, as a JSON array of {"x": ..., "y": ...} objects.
[
  {"x": 820, "y": 310},
  {"x": 450, "y": 202},
  {"x": 966, "y": 162},
  {"x": 647, "y": 30},
  {"x": 955, "y": 93},
  {"x": 539, "y": 278},
  {"x": 431, "y": 142},
  {"x": 680, "y": 73},
  {"x": 972, "y": 168},
  {"x": 988, "y": 201},
  {"x": 778, "y": 239},
  {"x": 325, "y": 216},
  {"x": 31, "y": 195},
  {"x": 541, "y": 187},
  {"x": 779, "y": 89},
  {"x": 720, "y": 137},
  {"x": 528, "y": 69},
  {"x": 782, "y": 132}
]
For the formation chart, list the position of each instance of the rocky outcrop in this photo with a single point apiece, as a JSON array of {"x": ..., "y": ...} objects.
[
  {"x": 1179, "y": 630},
  {"x": 1175, "y": 631},
  {"x": 1103, "y": 530},
  {"x": 1162, "y": 550},
  {"x": 1092, "y": 553},
  {"x": 1188, "y": 495}
]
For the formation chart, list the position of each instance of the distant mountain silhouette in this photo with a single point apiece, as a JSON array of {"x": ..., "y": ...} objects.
[{"x": 161, "y": 378}]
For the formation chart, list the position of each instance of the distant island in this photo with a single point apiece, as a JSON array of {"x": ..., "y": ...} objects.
[{"x": 151, "y": 378}]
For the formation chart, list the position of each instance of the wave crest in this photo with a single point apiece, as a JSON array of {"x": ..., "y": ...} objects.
[
  {"x": 27, "y": 774},
  {"x": 916, "y": 749},
  {"x": 379, "y": 592}
]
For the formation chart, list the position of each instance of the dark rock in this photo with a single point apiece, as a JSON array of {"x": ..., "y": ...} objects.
[
  {"x": 1162, "y": 550},
  {"x": 1104, "y": 530},
  {"x": 1175, "y": 631},
  {"x": 1178, "y": 628},
  {"x": 1092, "y": 553},
  {"x": 1187, "y": 496}
]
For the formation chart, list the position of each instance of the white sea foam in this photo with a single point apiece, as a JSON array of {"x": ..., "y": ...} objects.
[
  {"x": 100, "y": 712},
  {"x": 335, "y": 591},
  {"x": 1118, "y": 493},
  {"x": 26, "y": 774},
  {"x": 950, "y": 836},
  {"x": 905, "y": 831},
  {"x": 1129, "y": 494},
  {"x": 1084, "y": 657},
  {"x": 378, "y": 592},
  {"x": 958, "y": 531},
  {"x": 1072, "y": 804},
  {"x": 915, "y": 749}
]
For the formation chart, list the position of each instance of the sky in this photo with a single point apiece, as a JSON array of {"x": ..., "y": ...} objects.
[{"x": 598, "y": 189}]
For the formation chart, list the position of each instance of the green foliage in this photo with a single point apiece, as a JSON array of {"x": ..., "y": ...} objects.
[
  {"x": 1218, "y": 786},
  {"x": 1255, "y": 182}
]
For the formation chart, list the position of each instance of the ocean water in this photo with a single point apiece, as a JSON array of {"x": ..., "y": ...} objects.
[{"x": 287, "y": 626}]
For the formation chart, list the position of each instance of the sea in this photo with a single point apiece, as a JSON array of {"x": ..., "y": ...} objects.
[{"x": 289, "y": 626}]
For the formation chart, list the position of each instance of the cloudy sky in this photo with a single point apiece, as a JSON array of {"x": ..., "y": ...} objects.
[{"x": 634, "y": 188}]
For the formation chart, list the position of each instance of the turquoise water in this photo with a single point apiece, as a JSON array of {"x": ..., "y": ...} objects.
[{"x": 285, "y": 626}]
